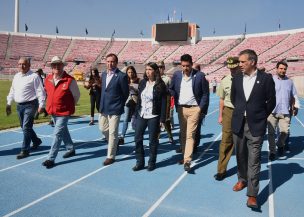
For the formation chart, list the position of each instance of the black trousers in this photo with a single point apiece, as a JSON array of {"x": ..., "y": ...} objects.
[{"x": 95, "y": 101}]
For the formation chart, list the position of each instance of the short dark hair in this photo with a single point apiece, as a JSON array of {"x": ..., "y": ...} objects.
[
  {"x": 251, "y": 55},
  {"x": 186, "y": 58},
  {"x": 113, "y": 55},
  {"x": 282, "y": 62}
]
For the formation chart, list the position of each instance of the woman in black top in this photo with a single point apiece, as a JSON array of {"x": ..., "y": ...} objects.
[
  {"x": 94, "y": 85},
  {"x": 150, "y": 111}
]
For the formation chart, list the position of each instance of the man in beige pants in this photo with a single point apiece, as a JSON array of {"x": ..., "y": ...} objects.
[{"x": 114, "y": 94}]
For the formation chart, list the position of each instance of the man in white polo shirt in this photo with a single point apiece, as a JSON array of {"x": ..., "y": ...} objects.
[{"x": 28, "y": 92}]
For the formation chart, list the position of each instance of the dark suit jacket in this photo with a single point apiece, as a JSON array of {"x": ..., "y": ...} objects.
[
  {"x": 159, "y": 99},
  {"x": 259, "y": 106},
  {"x": 114, "y": 97},
  {"x": 200, "y": 88}
]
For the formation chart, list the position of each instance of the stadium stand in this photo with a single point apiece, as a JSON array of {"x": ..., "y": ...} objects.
[{"x": 211, "y": 52}]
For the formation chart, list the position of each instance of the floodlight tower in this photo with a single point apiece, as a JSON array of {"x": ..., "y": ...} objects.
[{"x": 16, "y": 27}]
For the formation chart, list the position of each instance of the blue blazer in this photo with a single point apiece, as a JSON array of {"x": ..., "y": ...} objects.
[
  {"x": 200, "y": 88},
  {"x": 115, "y": 95},
  {"x": 259, "y": 106}
]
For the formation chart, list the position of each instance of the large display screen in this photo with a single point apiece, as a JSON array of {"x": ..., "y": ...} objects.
[{"x": 172, "y": 32}]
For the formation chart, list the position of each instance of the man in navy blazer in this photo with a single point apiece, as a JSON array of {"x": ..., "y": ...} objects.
[
  {"x": 191, "y": 96},
  {"x": 114, "y": 94},
  {"x": 253, "y": 97}
]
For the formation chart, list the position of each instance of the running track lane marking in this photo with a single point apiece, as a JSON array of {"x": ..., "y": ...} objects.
[
  {"x": 26, "y": 162},
  {"x": 40, "y": 135},
  {"x": 270, "y": 188},
  {"x": 38, "y": 125},
  {"x": 299, "y": 121},
  {"x": 59, "y": 190},
  {"x": 160, "y": 200}
]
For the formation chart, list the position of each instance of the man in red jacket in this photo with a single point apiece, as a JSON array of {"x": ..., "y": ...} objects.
[{"x": 63, "y": 94}]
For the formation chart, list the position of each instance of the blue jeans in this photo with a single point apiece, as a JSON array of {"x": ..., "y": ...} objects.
[
  {"x": 61, "y": 132},
  {"x": 126, "y": 121},
  {"x": 153, "y": 129},
  {"x": 26, "y": 113}
]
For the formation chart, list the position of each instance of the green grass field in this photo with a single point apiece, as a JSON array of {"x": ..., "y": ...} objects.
[{"x": 82, "y": 108}]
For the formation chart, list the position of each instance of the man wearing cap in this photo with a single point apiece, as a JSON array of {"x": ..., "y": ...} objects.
[
  {"x": 114, "y": 94},
  {"x": 63, "y": 94},
  {"x": 28, "y": 92},
  {"x": 167, "y": 80},
  {"x": 225, "y": 116}
]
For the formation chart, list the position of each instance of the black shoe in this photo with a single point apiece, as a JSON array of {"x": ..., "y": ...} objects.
[
  {"x": 286, "y": 148},
  {"x": 280, "y": 151},
  {"x": 138, "y": 167},
  {"x": 91, "y": 123},
  {"x": 171, "y": 141},
  {"x": 23, "y": 154},
  {"x": 68, "y": 154},
  {"x": 272, "y": 157},
  {"x": 151, "y": 167},
  {"x": 121, "y": 141},
  {"x": 220, "y": 176},
  {"x": 48, "y": 164},
  {"x": 187, "y": 166},
  {"x": 179, "y": 150},
  {"x": 36, "y": 145}
]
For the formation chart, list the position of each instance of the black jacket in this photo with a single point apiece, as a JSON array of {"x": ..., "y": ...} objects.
[
  {"x": 259, "y": 106},
  {"x": 159, "y": 98}
]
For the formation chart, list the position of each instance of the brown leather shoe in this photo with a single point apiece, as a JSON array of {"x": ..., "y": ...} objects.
[
  {"x": 108, "y": 161},
  {"x": 239, "y": 186},
  {"x": 252, "y": 202}
]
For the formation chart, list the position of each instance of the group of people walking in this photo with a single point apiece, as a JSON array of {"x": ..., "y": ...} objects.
[{"x": 250, "y": 100}]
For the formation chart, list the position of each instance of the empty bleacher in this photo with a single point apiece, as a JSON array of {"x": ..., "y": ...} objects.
[{"x": 210, "y": 52}]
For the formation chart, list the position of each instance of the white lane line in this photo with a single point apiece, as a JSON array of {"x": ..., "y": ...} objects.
[
  {"x": 40, "y": 135},
  {"x": 299, "y": 121},
  {"x": 11, "y": 144},
  {"x": 26, "y": 162},
  {"x": 295, "y": 158},
  {"x": 60, "y": 189},
  {"x": 270, "y": 188},
  {"x": 160, "y": 200}
]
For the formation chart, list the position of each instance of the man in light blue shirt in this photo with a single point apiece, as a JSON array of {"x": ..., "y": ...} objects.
[{"x": 285, "y": 92}]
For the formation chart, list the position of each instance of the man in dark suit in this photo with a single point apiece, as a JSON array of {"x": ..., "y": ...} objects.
[
  {"x": 191, "y": 95},
  {"x": 114, "y": 94},
  {"x": 253, "y": 97}
]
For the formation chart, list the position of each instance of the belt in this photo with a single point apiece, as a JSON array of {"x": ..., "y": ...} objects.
[
  {"x": 28, "y": 102},
  {"x": 188, "y": 106}
]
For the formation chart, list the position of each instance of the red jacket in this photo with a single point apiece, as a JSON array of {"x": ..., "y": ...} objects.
[{"x": 60, "y": 100}]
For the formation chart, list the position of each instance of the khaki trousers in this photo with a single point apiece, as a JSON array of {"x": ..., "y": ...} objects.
[
  {"x": 108, "y": 124},
  {"x": 226, "y": 146},
  {"x": 188, "y": 120},
  {"x": 273, "y": 121}
]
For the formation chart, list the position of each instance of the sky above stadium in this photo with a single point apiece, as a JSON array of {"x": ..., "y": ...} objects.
[{"x": 131, "y": 17}]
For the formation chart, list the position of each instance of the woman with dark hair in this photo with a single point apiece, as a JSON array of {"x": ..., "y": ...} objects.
[
  {"x": 133, "y": 81},
  {"x": 94, "y": 85},
  {"x": 150, "y": 111}
]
